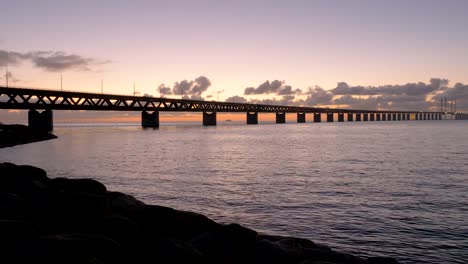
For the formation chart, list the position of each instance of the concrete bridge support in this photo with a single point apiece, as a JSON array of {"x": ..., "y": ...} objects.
[
  {"x": 424, "y": 116},
  {"x": 384, "y": 116},
  {"x": 252, "y": 118},
  {"x": 378, "y": 117},
  {"x": 399, "y": 116},
  {"x": 358, "y": 117},
  {"x": 209, "y": 118},
  {"x": 372, "y": 116},
  {"x": 150, "y": 119},
  {"x": 301, "y": 117},
  {"x": 340, "y": 117},
  {"x": 365, "y": 117},
  {"x": 394, "y": 116},
  {"x": 350, "y": 117},
  {"x": 280, "y": 118},
  {"x": 317, "y": 117},
  {"x": 41, "y": 121},
  {"x": 330, "y": 117}
]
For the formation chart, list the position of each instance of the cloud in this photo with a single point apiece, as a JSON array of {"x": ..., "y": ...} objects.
[
  {"x": 11, "y": 58},
  {"x": 236, "y": 99},
  {"x": 50, "y": 60},
  {"x": 416, "y": 96},
  {"x": 60, "y": 61},
  {"x": 195, "y": 87},
  {"x": 201, "y": 84},
  {"x": 318, "y": 96},
  {"x": 419, "y": 88},
  {"x": 164, "y": 90}
]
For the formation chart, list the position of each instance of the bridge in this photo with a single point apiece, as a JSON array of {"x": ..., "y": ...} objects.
[{"x": 48, "y": 100}]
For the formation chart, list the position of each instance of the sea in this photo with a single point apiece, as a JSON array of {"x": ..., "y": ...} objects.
[{"x": 397, "y": 189}]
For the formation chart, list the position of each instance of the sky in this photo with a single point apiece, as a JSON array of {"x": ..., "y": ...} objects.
[{"x": 367, "y": 54}]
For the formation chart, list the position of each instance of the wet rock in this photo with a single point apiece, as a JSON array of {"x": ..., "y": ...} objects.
[
  {"x": 123, "y": 202},
  {"x": 79, "y": 185},
  {"x": 160, "y": 221},
  {"x": 228, "y": 242},
  {"x": 79, "y": 221}
]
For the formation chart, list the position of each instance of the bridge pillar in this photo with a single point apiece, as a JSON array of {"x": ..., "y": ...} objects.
[
  {"x": 41, "y": 121},
  {"x": 280, "y": 118},
  {"x": 358, "y": 117},
  {"x": 150, "y": 119},
  {"x": 408, "y": 116},
  {"x": 301, "y": 117},
  {"x": 329, "y": 117},
  {"x": 317, "y": 117},
  {"x": 378, "y": 117},
  {"x": 384, "y": 116},
  {"x": 350, "y": 117},
  {"x": 340, "y": 117},
  {"x": 209, "y": 118},
  {"x": 394, "y": 118},
  {"x": 365, "y": 117},
  {"x": 399, "y": 116},
  {"x": 372, "y": 116},
  {"x": 252, "y": 118}
]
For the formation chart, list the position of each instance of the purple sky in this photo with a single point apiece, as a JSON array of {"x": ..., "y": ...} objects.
[{"x": 235, "y": 44}]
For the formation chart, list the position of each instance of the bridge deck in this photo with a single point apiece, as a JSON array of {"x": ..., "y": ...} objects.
[{"x": 22, "y": 98}]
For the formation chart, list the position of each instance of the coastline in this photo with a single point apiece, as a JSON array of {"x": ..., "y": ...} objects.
[
  {"x": 63, "y": 220},
  {"x": 14, "y": 134}
]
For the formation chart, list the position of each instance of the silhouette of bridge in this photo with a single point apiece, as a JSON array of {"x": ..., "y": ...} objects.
[{"x": 48, "y": 100}]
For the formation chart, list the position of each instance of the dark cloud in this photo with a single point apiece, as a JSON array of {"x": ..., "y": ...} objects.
[
  {"x": 164, "y": 90},
  {"x": 459, "y": 92},
  {"x": 318, "y": 96},
  {"x": 419, "y": 88},
  {"x": 192, "y": 88},
  {"x": 236, "y": 99},
  {"x": 11, "y": 58},
  {"x": 50, "y": 60},
  {"x": 275, "y": 87},
  {"x": 60, "y": 61},
  {"x": 201, "y": 84}
]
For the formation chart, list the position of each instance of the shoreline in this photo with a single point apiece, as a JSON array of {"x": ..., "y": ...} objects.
[
  {"x": 15, "y": 134},
  {"x": 60, "y": 220}
]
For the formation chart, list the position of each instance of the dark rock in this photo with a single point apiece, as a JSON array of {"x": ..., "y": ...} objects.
[
  {"x": 160, "y": 221},
  {"x": 123, "y": 202},
  {"x": 12, "y": 206},
  {"x": 79, "y": 185},
  {"x": 228, "y": 242},
  {"x": 22, "y": 179},
  {"x": 11, "y": 135},
  {"x": 75, "y": 248},
  {"x": 79, "y": 221},
  {"x": 265, "y": 251}
]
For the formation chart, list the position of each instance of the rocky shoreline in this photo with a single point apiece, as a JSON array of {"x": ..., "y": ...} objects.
[
  {"x": 59, "y": 220},
  {"x": 12, "y": 135}
]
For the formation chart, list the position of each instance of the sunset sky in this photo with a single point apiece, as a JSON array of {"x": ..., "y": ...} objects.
[{"x": 310, "y": 52}]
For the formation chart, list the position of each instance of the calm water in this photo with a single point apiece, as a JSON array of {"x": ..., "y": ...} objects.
[{"x": 390, "y": 188}]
